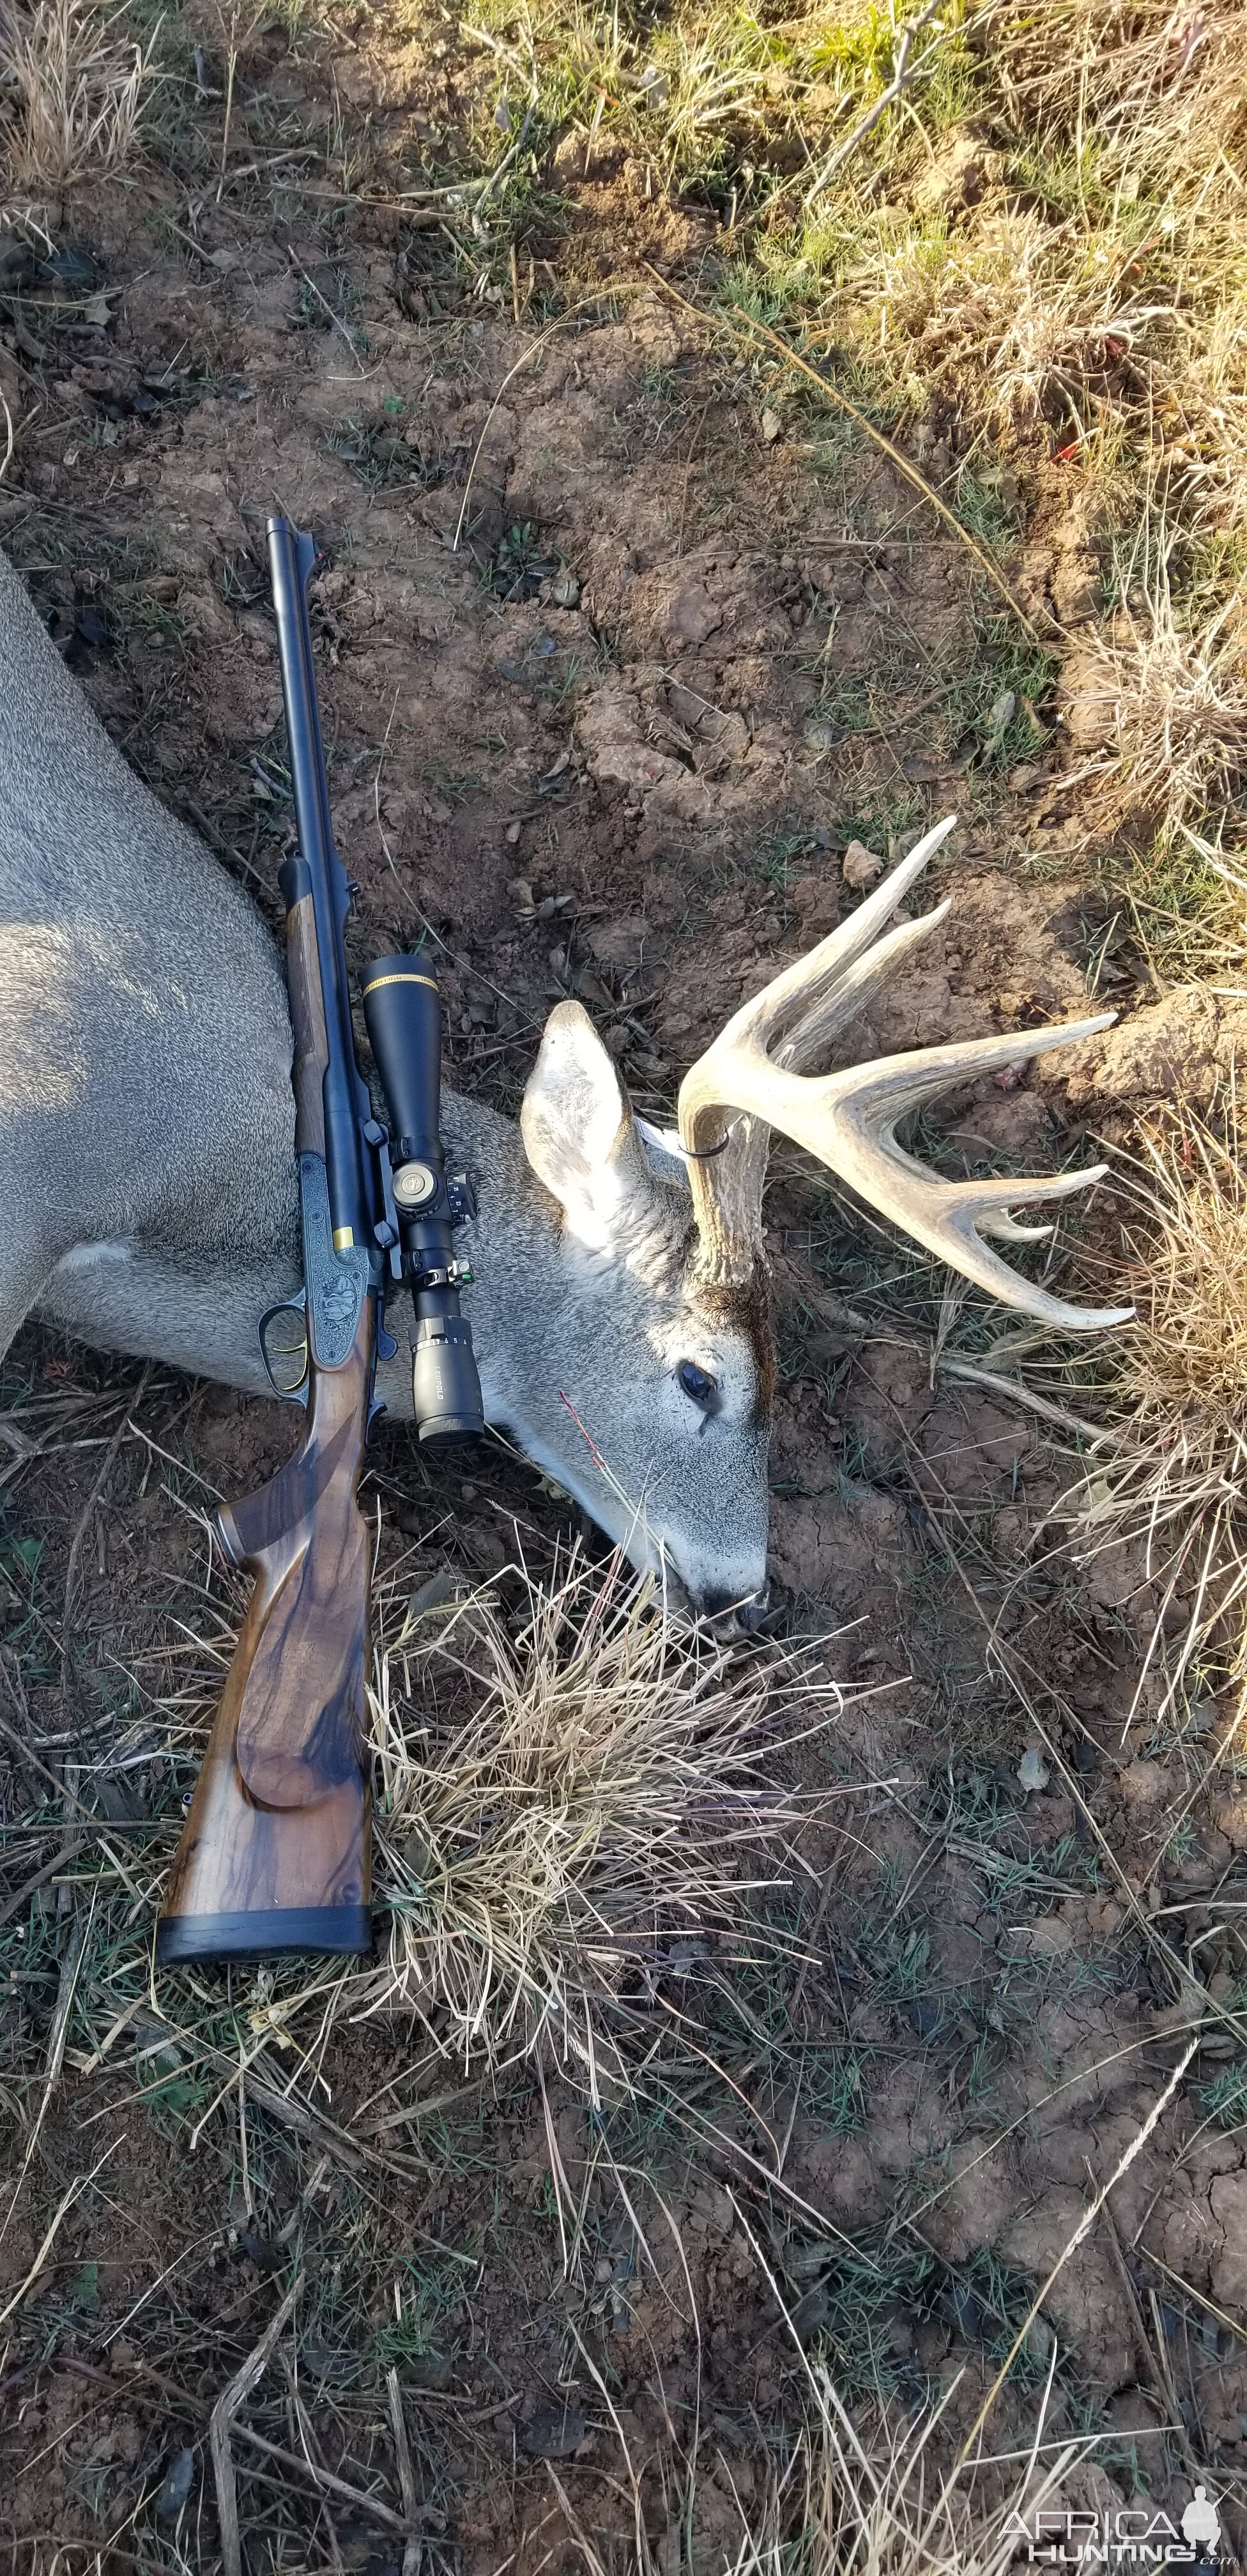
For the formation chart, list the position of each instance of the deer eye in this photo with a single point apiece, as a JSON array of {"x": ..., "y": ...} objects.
[{"x": 695, "y": 1382}]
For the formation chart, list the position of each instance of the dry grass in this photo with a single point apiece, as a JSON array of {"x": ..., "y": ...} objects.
[
  {"x": 1170, "y": 1477},
  {"x": 1043, "y": 243},
  {"x": 1040, "y": 243},
  {"x": 72, "y": 95},
  {"x": 1160, "y": 697},
  {"x": 869, "y": 2495},
  {"x": 579, "y": 1802},
  {"x": 1179, "y": 706},
  {"x": 1035, "y": 313},
  {"x": 1130, "y": 123},
  {"x": 846, "y": 2501}
]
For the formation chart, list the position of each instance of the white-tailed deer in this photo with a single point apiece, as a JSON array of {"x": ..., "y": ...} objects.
[{"x": 620, "y": 1311}]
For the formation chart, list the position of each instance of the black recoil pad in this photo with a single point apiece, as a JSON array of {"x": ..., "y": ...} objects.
[{"x": 402, "y": 1012}]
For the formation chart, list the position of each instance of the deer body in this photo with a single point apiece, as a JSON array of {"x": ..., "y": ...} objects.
[{"x": 149, "y": 1175}]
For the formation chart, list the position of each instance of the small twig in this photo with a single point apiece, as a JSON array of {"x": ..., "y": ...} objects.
[
  {"x": 999, "y": 1383},
  {"x": 231, "y": 68},
  {"x": 609, "y": 287},
  {"x": 501, "y": 168},
  {"x": 63, "y": 2208},
  {"x": 688, "y": 467},
  {"x": 289, "y": 2111},
  {"x": 13, "y": 1904},
  {"x": 357, "y": 2496},
  {"x": 190, "y": 241},
  {"x": 522, "y": 361},
  {"x": 1143, "y": 2341},
  {"x": 311, "y": 2451},
  {"x": 900, "y": 74},
  {"x": 1189, "y": 2291},
  {"x": 221, "y": 2424},
  {"x": 70, "y": 1964},
  {"x": 28, "y": 1755},
  {"x": 406, "y": 2474}
]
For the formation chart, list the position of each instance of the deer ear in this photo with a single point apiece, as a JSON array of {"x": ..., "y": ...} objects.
[{"x": 579, "y": 1132}]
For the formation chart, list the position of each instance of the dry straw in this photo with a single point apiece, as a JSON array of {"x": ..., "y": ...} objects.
[
  {"x": 1160, "y": 699},
  {"x": 72, "y": 95},
  {"x": 846, "y": 2501},
  {"x": 1171, "y": 1477},
  {"x": 580, "y": 1800},
  {"x": 874, "y": 2495}
]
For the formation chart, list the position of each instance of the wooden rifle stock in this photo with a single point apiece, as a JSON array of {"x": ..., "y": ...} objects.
[{"x": 275, "y": 1854}]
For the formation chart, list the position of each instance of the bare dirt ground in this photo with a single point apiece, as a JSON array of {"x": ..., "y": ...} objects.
[{"x": 615, "y": 742}]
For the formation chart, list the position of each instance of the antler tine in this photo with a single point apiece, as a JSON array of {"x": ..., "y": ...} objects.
[
  {"x": 749, "y": 1081},
  {"x": 848, "y": 1121},
  {"x": 829, "y": 966},
  {"x": 815, "y": 998}
]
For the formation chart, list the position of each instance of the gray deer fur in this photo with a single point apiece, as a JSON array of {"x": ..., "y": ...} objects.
[{"x": 149, "y": 1171}]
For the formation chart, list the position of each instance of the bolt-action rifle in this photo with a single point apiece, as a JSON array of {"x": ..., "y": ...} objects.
[{"x": 275, "y": 1853}]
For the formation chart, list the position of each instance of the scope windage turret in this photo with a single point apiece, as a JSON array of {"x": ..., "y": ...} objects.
[{"x": 402, "y": 1011}]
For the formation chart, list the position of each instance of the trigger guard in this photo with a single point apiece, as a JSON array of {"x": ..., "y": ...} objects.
[{"x": 296, "y": 1305}]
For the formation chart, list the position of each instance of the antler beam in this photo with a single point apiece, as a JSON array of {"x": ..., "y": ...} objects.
[{"x": 848, "y": 1120}]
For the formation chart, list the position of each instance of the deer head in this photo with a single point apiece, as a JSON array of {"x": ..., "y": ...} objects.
[{"x": 645, "y": 1383}]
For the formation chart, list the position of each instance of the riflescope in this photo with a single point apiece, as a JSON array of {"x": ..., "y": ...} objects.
[{"x": 403, "y": 1015}]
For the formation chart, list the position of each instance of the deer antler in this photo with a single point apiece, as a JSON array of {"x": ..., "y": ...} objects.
[{"x": 848, "y": 1120}]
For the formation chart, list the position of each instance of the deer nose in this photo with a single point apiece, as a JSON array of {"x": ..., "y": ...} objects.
[{"x": 735, "y": 1617}]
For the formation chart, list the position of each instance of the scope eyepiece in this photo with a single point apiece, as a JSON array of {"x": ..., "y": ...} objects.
[
  {"x": 446, "y": 1390},
  {"x": 402, "y": 1012}
]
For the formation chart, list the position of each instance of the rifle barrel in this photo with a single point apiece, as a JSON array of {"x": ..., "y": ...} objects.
[{"x": 291, "y": 559}]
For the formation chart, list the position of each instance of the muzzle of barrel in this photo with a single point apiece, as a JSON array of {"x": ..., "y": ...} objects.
[{"x": 402, "y": 1011}]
